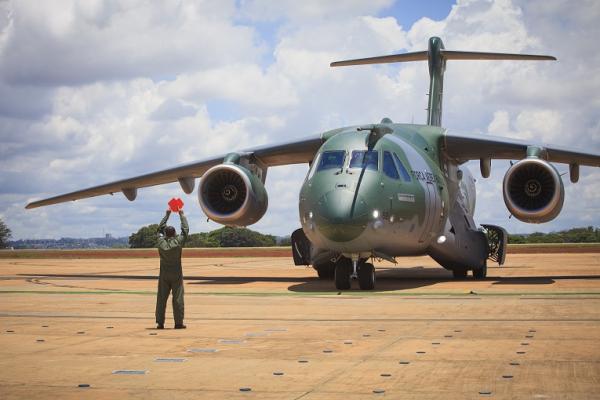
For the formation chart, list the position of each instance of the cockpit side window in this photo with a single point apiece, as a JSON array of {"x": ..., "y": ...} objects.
[
  {"x": 364, "y": 159},
  {"x": 331, "y": 160},
  {"x": 389, "y": 169},
  {"x": 402, "y": 169},
  {"x": 313, "y": 166}
]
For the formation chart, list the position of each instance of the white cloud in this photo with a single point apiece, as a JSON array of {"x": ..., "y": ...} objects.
[
  {"x": 71, "y": 42},
  {"x": 309, "y": 10}
]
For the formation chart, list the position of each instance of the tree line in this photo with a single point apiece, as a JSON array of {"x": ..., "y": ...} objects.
[
  {"x": 574, "y": 235},
  {"x": 227, "y": 236},
  {"x": 146, "y": 237},
  {"x": 243, "y": 237}
]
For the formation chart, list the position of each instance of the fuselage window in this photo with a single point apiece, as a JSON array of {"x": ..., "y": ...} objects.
[
  {"x": 401, "y": 168},
  {"x": 388, "y": 166},
  {"x": 331, "y": 160},
  {"x": 364, "y": 159}
]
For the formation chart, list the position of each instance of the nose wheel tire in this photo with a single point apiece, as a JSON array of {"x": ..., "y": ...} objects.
[
  {"x": 366, "y": 276},
  {"x": 480, "y": 273},
  {"x": 343, "y": 274}
]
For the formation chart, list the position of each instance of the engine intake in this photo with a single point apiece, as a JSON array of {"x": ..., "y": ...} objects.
[
  {"x": 533, "y": 191},
  {"x": 231, "y": 195}
]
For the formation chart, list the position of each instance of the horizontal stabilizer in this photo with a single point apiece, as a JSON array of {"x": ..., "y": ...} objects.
[
  {"x": 475, "y": 55},
  {"x": 417, "y": 56},
  {"x": 445, "y": 55},
  {"x": 437, "y": 56}
]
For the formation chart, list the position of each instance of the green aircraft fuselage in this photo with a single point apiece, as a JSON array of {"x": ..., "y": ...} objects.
[{"x": 368, "y": 193}]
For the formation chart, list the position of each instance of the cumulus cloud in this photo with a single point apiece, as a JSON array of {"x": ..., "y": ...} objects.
[
  {"x": 72, "y": 42},
  {"x": 96, "y": 91}
]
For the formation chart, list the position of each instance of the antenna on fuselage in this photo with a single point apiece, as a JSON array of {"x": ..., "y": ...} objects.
[{"x": 436, "y": 56}]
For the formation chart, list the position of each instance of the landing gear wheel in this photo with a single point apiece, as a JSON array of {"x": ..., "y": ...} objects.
[
  {"x": 459, "y": 273},
  {"x": 480, "y": 273},
  {"x": 325, "y": 271},
  {"x": 343, "y": 274},
  {"x": 366, "y": 276}
]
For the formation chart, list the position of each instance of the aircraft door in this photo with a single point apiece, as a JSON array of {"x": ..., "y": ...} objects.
[{"x": 432, "y": 210}]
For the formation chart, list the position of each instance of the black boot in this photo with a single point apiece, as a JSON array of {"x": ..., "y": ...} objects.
[
  {"x": 180, "y": 326},
  {"x": 160, "y": 326}
]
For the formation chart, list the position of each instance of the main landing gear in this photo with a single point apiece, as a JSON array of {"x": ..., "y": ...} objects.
[{"x": 346, "y": 270}]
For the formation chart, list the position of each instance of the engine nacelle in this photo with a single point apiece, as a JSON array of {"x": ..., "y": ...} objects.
[
  {"x": 231, "y": 195},
  {"x": 533, "y": 190}
]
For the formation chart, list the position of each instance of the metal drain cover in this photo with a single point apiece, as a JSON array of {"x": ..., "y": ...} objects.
[
  {"x": 256, "y": 334},
  {"x": 129, "y": 372},
  {"x": 202, "y": 350}
]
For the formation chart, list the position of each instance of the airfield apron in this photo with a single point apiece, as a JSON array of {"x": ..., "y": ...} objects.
[{"x": 171, "y": 273}]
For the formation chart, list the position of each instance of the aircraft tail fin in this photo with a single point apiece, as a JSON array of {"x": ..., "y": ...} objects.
[{"x": 436, "y": 57}]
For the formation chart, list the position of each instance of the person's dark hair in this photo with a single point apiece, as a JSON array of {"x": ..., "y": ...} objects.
[{"x": 169, "y": 231}]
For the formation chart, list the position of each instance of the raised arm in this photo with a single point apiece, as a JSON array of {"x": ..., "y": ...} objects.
[
  {"x": 185, "y": 228},
  {"x": 163, "y": 223}
]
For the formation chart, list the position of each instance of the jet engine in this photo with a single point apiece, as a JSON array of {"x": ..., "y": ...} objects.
[
  {"x": 232, "y": 195},
  {"x": 533, "y": 190}
]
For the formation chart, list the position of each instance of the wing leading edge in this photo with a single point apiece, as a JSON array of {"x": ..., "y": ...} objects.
[
  {"x": 464, "y": 147},
  {"x": 296, "y": 152}
]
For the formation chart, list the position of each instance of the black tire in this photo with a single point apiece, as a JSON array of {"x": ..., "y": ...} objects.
[
  {"x": 366, "y": 276},
  {"x": 480, "y": 273},
  {"x": 459, "y": 274},
  {"x": 325, "y": 271},
  {"x": 343, "y": 274}
]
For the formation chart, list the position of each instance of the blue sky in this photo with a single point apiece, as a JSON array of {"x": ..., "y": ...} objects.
[
  {"x": 409, "y": 12},
  {"x": 91, "y": 92}
]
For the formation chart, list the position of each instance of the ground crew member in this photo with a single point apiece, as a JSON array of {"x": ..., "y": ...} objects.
[{"x": 171, "y": 274}]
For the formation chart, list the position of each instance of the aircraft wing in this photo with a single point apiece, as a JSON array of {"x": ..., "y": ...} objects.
[
  {"x": 295, "y": 152},
  {"x": 464, "y": 147}
]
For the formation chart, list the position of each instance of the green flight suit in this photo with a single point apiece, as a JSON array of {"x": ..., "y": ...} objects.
[{"x": 171, "y": 274}]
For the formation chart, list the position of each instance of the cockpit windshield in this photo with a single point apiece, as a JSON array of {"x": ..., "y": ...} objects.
[
  {"x": 364, "y": 159},
  {"x": 331, "y": 159}
]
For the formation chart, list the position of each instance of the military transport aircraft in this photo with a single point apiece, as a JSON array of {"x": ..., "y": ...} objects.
[{"x": 383, "y": 190}]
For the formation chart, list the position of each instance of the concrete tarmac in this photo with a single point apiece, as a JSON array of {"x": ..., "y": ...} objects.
[{"x": 262, "y": 328}]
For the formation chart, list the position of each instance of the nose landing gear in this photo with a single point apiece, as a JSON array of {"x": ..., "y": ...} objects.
[
  {"x": 346, "y": 270},
  {"x": 343, "y": 274},
  {"x": 366, "y": 276}
]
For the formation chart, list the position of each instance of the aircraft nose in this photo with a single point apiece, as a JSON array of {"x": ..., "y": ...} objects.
[{"x": 340, "y": 217}]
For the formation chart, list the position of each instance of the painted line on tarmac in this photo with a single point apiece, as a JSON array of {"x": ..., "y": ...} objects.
[
  {"x": 302, "y": 320},
  {"x": 335, "y": 294}
]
